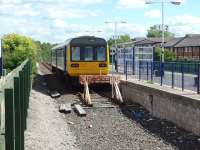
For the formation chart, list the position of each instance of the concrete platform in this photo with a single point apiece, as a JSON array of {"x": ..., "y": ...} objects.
[{"x": 175, "y": 105}]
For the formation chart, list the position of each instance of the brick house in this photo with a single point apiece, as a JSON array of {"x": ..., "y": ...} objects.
[
  {"x": 187, "y": 47},
  {"x": 146, "y": 42}
]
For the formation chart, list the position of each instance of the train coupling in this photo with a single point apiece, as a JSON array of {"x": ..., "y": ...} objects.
[
  {"x": 98, "y": 79},
  {"x": 86, "y": 80}
]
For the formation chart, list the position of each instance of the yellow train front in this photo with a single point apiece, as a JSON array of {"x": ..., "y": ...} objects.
[{"x": 86, "y": 55}]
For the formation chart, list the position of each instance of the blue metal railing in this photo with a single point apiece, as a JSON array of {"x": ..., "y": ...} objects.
[{"x": 174, "y": 74}]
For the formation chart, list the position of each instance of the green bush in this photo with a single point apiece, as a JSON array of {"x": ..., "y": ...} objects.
[
  {"x": 16, "y": 49},
  {"x": 169, "y": 56}
]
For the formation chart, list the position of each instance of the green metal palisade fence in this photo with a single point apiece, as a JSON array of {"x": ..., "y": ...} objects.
[{"x": 14, "y": 99}]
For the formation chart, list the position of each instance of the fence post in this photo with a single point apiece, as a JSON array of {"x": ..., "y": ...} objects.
[
  {"x": 124, "y": 61},
  {"x": 161, "y": 73},
  {"x": 1, "y": 66},
  {"x": 17, "y": 114},
  {"x": 133, "y": 63},
  {"x": 21, "y": 78},
  {"x": 126, "y": 70},
  {"x": 182, "y": 72},
  {"x": 147, "y": 71},
  {"x": 30, "y": 71},
  {"x": 9, "y": 120},
  {"x": 29, "y": 80},
  {"x": 139, "y": 71},
  {"x": 172, "y": 74},
  {"x": 26, "y": 87},
  {"x": 198, "y": 78},
  {"x": 24, "y": 94},
  {"x": 152, "y": 71}
]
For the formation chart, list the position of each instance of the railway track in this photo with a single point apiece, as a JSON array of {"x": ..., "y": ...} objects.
[
  {"x": 100, "y": 94},
  {"x": 47, "y": 66}
]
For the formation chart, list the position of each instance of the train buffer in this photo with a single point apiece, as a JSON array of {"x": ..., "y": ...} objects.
[{"x": 87, "y": 80}]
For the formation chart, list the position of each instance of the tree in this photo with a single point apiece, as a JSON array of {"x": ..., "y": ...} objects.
[
  {"x": 121, "y": 39},
  {"x": 169, "y": 56},
  {"x": 44, "y": 52},
  {"x": 16, "y": 49},
  {"x": 155, "y": 32}
]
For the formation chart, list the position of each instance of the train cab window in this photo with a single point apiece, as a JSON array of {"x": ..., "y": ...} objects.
[
  {"x": 88, "y": 53},
  {"x": 76, "y": 53},
  {"x": 101, "y": 53}
]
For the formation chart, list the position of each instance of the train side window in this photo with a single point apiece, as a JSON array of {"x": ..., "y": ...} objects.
[
  {"x": 75, "y": 53},
  {"x": 88, "y": 53},
  {"x": 101, "y": 53}
]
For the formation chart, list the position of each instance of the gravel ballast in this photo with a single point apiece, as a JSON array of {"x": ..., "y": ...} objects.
[{"x": 110, "y": 129}]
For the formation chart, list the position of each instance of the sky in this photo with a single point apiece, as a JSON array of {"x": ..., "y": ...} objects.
[{"x": 57, "y": 20}]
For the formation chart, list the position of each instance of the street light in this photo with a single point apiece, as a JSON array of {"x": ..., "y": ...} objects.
[
  {"x": 174, "y": 2},
  {"x": 115, "y": 23},
  {"x": 115, "y": 35}
]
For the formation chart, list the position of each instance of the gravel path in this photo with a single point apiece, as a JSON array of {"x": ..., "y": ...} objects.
[{"x": 46, "y": 128}]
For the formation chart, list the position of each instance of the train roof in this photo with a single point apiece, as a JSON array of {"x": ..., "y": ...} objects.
[
  {"x": 62, "y": 45},
  {"x": 92, "y": 40}
]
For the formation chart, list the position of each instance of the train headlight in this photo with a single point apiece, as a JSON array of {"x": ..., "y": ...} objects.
[
  {"x": 74, "y": 65},
  {"x": 102, "y": 65}
]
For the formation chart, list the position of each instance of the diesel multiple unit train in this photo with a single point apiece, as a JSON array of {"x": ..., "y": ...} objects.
[{"x": 86, "y": 55}]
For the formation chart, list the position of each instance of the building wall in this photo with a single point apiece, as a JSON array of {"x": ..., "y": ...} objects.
[{"x": 190, "y": 53}]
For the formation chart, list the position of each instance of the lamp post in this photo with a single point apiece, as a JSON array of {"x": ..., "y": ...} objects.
[
  {"x": 174, "y": 2},
  {"x": 115, "y": 23}
]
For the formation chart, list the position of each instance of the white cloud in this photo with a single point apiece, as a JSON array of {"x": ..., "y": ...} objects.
[
  {"x": 66, "y": 9},
  {"x": 184, "y": 24},
  {"x": 69, "y": 2},
  {"x": 58, "y": 30},
  {"x": 152, "y": 14},
  {"x": 46, "y": 20},
  {"x": 89, "y": 2},
  {"x": 132, "y": 29},
  {"x": 10, "y": 1},
  {"x": 184, "y": 20},
  {"x": 54, "y": 13},
  {"x": 128, "y": 4},
  {"x": 24, "y": 10},
  {"x": 48, "y": 23}
]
